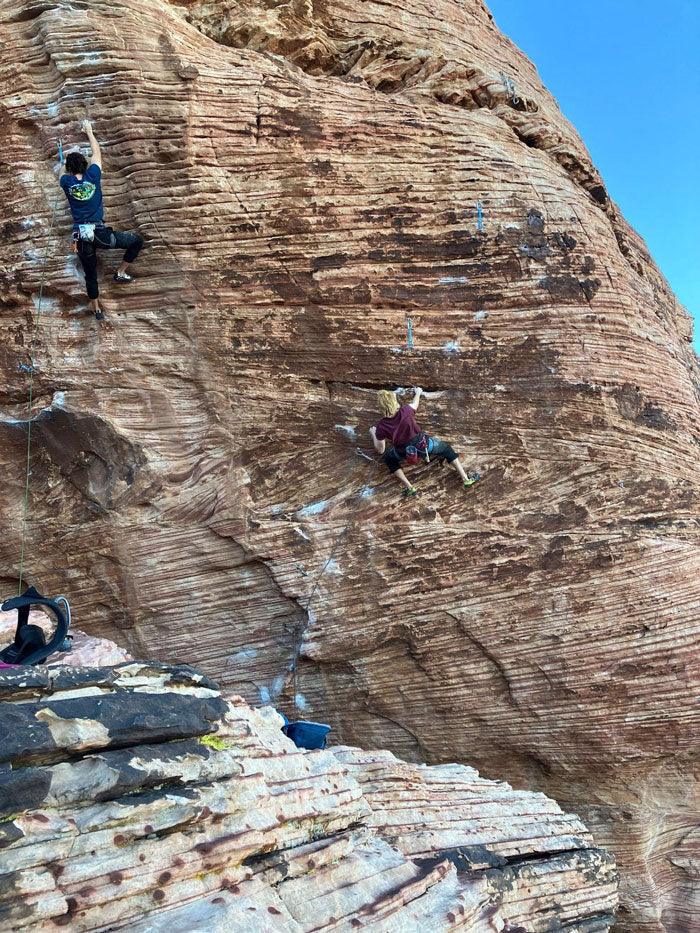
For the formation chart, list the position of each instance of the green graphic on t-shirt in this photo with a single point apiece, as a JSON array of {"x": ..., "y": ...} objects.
[{"x": 83, "y": 191}]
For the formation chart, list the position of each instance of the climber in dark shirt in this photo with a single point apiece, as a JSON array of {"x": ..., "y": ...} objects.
[
  {"x": 81, "y": 184},
  {"x": 408, "y": 441}
]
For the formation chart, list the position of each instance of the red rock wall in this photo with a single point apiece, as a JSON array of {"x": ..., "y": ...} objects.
[{"x": 306, "y": 179}]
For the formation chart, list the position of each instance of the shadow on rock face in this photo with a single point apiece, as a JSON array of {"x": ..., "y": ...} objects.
[{"x": 101, "y": 464}]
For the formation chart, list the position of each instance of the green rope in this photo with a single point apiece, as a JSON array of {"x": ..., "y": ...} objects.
[{"x": 31, "y": 391}]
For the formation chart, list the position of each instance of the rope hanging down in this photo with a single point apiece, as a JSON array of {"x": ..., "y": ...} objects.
[
  {"x": 30, "y": 369},
  {"x": 302, "y": 632}
]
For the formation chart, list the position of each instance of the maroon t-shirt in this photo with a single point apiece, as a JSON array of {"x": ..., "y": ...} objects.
[{"x": 400, "y": 428}]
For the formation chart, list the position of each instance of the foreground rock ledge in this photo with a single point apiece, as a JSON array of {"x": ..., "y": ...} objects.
[{"x": 138, "y": 797}]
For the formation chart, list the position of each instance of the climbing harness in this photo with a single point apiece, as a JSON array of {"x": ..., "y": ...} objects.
[
  {"x": 409, "y": 325},
  {"x": 30, "y": 370},
  {"x": 509, "y": 85},
  {"x": 30, "y": 646},
  {"x": 479, "y": 209}
]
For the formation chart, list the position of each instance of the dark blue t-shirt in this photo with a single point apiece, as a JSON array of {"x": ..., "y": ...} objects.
[{"x": 85, "y": 196}]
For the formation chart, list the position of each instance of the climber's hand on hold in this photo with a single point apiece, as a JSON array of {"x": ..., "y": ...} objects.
[
  {"x": 417, "y": 392},
  {"x": 94, "y": 145}
]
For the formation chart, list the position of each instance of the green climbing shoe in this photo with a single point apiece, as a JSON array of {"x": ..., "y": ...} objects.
[
  {"x": 471, "y": 479},
  {"x": 410, "y": 493}
]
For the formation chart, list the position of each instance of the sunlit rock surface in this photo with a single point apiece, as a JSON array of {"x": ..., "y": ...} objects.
[
  {"x": 138, "y": 798},
  {"x": 307, "y": 178}
]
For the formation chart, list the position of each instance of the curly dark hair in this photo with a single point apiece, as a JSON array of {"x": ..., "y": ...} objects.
[{"x": 76, "y": 163}]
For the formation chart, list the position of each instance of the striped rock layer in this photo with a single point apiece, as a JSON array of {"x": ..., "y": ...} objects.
[
  {"x": 336, "y": 198},
  {"x": 139, "y": 798}
]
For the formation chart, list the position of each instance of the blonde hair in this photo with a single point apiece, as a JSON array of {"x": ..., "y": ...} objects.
[{"x": 388, "y": 403}]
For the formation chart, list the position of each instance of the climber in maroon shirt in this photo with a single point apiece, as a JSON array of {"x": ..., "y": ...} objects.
[{"x": 408, "y": 441}]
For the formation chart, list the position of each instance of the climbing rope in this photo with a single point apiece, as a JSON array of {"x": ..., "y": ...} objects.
[
  {"x": 30, "y": 369},
  {"x": 302, "y": 632}
]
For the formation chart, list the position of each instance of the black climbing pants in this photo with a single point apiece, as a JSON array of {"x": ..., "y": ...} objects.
[
  {"x": 395, "y": 456},
  {"x": 105, "y": 238}
]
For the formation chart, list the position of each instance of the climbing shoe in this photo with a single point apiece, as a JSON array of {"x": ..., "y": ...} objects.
[
  {"x": 123, "y": 277},
  {"x": 99, "y": 316},
  {"x": 410, "y": 493},
  {"x": 471, "y": 479}
]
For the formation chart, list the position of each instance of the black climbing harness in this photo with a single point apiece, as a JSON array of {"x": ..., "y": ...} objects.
[{"x": 30, "y": 645}]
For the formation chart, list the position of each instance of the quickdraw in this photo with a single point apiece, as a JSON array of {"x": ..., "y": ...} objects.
[{"x": 509, "y": 85}]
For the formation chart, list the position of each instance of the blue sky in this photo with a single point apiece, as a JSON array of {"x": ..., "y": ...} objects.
[{"x": 627, "y": 75}]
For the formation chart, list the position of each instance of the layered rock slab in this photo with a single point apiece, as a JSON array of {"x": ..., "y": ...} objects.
[
  {"x": 203, "y": 816},
  {"x": 193, "y": 460}
]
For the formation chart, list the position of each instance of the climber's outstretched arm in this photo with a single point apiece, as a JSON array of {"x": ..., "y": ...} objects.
[
  {"x": 416, "y": 399},
  {"x": 379, "y": 446},
  {"x": 94, "y": 145}
]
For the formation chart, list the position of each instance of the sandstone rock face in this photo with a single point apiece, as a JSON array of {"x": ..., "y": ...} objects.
[
  {"x": 307, "y": 177},
  {"x": 141, "y": 799}
]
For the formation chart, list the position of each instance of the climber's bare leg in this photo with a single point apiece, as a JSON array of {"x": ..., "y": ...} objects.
[
  {"x": 460, "y": 469},
  {"x": 401, "y": 477},
  {"x": 123, "y": 267}
]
